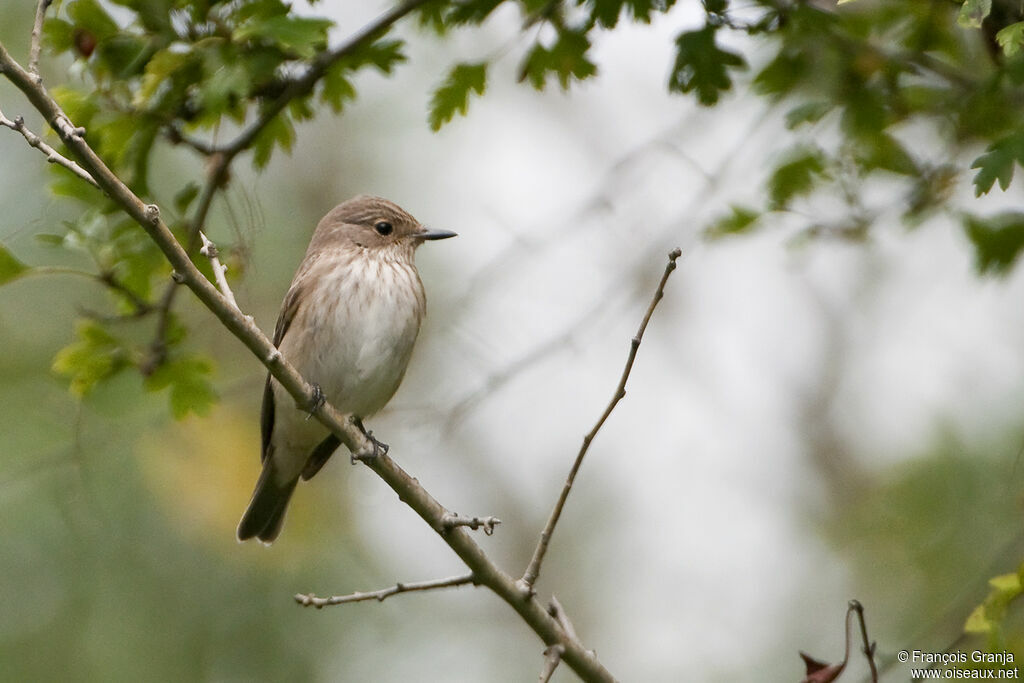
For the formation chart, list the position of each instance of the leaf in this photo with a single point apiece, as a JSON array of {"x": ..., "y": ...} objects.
[
  {"x": 188, "y": 379},
  {"x": 973, "y": 12},
  {"x": 279, "y": 132},
  {"x": 997, "y": 163},
  {"x": 383, "y": 54},
  {"x": 977, "y": 622},
  {"x": 453, "y": 95},
  {"x": 567, "y": 59},
  {"x": 10, "y": 267},
  {"x": 1011, "y": 39},
  {"x": 90, "y": 16},
  {"x": 96, "y": 356},
  {"x": 809, "y": 112},
  {"x": 796, "y": 176},
  {"x": 740, "y": 220},
  {"x": 303, "y": 35},
  {"x": 702, "y": 67},
  {"x": 884, "y": 152},
  {"x": 473, "y": 12},
  {"x": 337, "y": 88},
  {"x": 997, "y": 241},
  {"x": 184, "y": 198}
]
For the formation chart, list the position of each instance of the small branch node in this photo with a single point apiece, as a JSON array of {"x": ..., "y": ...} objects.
[
  {"x": 552, "y": 657},
  {"x": 274, "y": 357},
  {"x": 177, "y": 277},
  {"x": 152, "y": 213},
  {"x": 453, "y": 520}
]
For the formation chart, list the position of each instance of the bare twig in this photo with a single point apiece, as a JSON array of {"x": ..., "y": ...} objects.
[
  {"x": 209, "y": 250},
  {"x": 310, "y": 600},
  {"x": 37, "y": 39},
  {"x": 869, "y": 645},
  {"x": 409, "y": 490},
  {"x": 52, "y": 155},
  {"x": 552, "y": 657},
  {"x": 533, "y": 569},
  {"x": 474, "y": 523}
]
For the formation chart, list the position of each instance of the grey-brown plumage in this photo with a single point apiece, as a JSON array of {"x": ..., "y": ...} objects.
[{"x": 348, "y": 324}]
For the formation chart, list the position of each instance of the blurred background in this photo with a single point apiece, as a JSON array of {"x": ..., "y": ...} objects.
[{"x": 807, "y": 422}]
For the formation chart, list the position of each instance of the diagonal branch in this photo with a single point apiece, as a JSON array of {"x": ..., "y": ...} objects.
[
  {"x": 533, "y": 569},
  {"x": 409, "y": 490},
  {"x": 310, "y": 600}
]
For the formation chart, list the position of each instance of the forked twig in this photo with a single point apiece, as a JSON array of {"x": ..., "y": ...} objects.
[{"x": 533, "y": 569}]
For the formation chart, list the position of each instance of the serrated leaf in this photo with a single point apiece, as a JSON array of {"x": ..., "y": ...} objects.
[
  {"x": 701, "y": 66},
  {"x": 997, "y": 241},
  {"x": 472, "y": 12},
  {"x": 796, "y": 176},
  {"x": 1011, "y": 38},
  {"x": 383, "y": 54},
  {"x": 96, "y": 356},
  {"x": 567, "y": 59},
  {"x": 453, "y": 95},
  {"x": 973, "y": 12},
  {"x": 190, "y": 388},
  {"x": 279, "y": 132},
  {"x": 303, "y": 35},
  {"x": 10, "y": 267},
  {"x": 337, "y": 88},
  {"x": 997, "y": 163}
]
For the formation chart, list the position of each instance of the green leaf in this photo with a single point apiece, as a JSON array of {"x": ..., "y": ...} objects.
[
  {"x": 453, "y": 95},
  {"x": 796, "y": 176},
  {"x": 303, "y": 35},
  {"x": 997, "y": 163},
  {"x": 279, "y": 132},
  {"x": 884, "y": 152},
  {"x": 473, "y": 12},
  {"x": 997, "y": 241},
  {"x": 809, "y": 112},
  {"x": 702, "y": 67},
  {"x": 1011, "y": 38},
  {"x": 383, "y": 54},
  {"x": 566, "y": 59},
  {"x": 188, "y": 379},
  {"x": 977, "y": 623},
  {"x": 337, "y": 88},
  {"x": 58, "y": 34},
  {"x": 96, "y": 356},
  {"x": 10, "y": 267},
  {"x": 90, "y": 16},
  {"x": 739, "y": 221},
  {"x": 973, "y": 12}
]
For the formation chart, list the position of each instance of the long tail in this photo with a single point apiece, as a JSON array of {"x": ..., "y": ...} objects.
[{"x": 265, "y": 515}]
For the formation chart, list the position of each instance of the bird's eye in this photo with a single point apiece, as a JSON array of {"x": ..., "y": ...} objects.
[{"x": 383, "y": 228}]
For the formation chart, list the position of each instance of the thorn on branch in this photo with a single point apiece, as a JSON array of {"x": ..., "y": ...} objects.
[
  {"x": 552, "y": 657},
  {"x": 453, "y": 520}
]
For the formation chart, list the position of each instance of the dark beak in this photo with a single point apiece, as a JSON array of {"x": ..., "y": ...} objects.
[{"x": 428, "y": 234}]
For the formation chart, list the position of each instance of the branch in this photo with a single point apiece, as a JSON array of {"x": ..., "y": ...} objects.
[
  {"x": 52, "y": 155},
  {"x": 533, "y": 570},
  {"x": 552, "y": 657},
  {"x": 209, "y": 250},
  {"x": 869, "y": 645},
  {"x": 474, "y": 523},
  {"x": 409, "y": 490},
  {"x": 310, "y": 600},
  {"x": 37, "y": 39}
]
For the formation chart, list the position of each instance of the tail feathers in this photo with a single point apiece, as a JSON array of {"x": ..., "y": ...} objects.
[{"x": 265, "y": 515}]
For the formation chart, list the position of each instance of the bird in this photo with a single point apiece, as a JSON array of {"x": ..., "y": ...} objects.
[{"x": 348, "y": 324}]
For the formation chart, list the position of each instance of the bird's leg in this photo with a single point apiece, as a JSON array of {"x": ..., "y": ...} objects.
[
  {"x": 379, "y": 447},
  {"x": 316, "y": 402}
]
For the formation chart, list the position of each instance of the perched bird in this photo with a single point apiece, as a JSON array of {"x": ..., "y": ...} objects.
[{"x": 348, "y": 324}]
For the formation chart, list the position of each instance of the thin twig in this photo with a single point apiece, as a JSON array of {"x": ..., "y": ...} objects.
[
  {"x": 409, "y": 490},
  {"x": 552, "y": 657},
  {"x": 869, "y": 645},
  {"x": 209, "y": 250},
  {"x": 556, "y": 610},
  {"x": 488, "y": 523},
  {"x": 311, "y": 600},
  {"x": 533, "y": 569},
  {"x": 52, "y": 155},
  {"x": 37, "y": 39}
]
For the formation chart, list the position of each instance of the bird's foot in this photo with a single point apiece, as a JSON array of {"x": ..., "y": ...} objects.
[
  {"x": 316, "y": 402},
  {"x": 379, "y": 447}
]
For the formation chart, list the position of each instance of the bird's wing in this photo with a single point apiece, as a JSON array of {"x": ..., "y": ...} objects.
[{"x": 288, "y": 310}]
